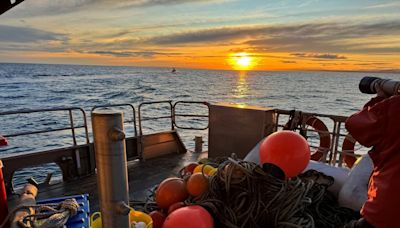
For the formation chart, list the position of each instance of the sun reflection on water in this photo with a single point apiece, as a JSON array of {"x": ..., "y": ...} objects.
[{"x": 242, "y": 87}]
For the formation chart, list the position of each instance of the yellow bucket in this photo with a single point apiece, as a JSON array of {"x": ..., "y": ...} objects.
[{"x": 134, "y": 216}]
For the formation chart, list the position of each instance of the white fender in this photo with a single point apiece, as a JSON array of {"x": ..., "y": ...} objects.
[{"x": 354, "y": 192}]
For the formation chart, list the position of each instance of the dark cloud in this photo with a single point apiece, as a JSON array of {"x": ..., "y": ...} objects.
[
  {"x": 144, "y": 3},
  {"x": 318, "y": 56},
  {"x": 14, "y": 34},
  {"x": 56, "y": 7},
  {"x": 208, "y": 35},
  {"x": 288, "y": 61},
  {"x": 144, "y": 54},
  {"x": 310, "y": 37}
]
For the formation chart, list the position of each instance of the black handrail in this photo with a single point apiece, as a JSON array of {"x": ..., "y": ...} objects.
[
  {"x": 121, "y": 105},
  {"x": 169, "y": 102},
  {"x": 335, "y": 155},
  {"x": 71, "y": 127},
  {"x": 191, "y": 115}
]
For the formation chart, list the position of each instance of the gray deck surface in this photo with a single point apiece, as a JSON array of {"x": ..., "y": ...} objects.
[{"x": 142, "y": 175}]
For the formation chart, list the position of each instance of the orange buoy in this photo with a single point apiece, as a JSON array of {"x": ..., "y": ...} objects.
[
  {"x": 197, "y": 184},
  {"x": 286, "y": 149},
  {"x": 170, "y": 191},
  {"x": 189, "y": 217}
]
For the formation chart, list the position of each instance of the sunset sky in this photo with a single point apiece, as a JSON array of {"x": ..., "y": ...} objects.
[{"x": 357, "y": 35}]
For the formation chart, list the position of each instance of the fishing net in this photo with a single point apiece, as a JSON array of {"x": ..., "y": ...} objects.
[{"x": 241, "y": 194}]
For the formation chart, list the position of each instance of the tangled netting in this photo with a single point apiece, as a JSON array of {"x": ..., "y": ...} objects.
[{"x": 241, "y": 194}]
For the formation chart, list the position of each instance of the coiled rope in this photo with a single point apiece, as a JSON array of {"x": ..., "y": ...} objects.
[
  {"x": 241, "y": 194},
  {"x": 46, "y": 215}
]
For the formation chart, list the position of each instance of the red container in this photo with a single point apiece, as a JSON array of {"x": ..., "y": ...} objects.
[{"x": 3, "y": 196}]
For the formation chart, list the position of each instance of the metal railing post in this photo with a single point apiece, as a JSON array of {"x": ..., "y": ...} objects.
[
  {"x": 112, "y": 174},
  {"x": 198, "y": 144}
]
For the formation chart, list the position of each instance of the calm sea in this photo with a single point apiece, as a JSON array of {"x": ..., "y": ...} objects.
[{"x": 35, "y": 86}]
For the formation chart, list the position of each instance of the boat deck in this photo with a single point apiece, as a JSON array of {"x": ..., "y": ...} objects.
[{"x": 142, "y": 175}]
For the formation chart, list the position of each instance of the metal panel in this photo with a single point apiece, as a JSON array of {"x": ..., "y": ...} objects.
[
  {"x": 162, "y": 143},
  {"x": 237, "y": 128}
]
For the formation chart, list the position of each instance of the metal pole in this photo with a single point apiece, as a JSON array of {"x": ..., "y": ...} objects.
[
  {"x": 198, "y": 140},
  {"x": 77, "y": 154},
  {"x": 112, "y": 174}
]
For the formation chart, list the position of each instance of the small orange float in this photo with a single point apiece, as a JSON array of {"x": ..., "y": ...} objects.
[
  {"x": 170, "y": 191},
  {"x": 197, "y": 184}
]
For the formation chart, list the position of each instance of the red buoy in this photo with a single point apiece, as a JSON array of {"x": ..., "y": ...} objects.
[
  {"x": 286, "y": 149},
  {"x": 3, "y": 141}
]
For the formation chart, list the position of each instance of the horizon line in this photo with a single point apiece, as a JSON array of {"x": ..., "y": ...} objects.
[{"x": 391, "y": 71}]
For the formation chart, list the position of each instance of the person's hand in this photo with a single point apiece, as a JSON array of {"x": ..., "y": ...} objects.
[{"x": 380, "y": 92}]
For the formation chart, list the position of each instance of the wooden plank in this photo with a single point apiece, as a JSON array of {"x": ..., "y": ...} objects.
[{"x": 158, "y": 138}]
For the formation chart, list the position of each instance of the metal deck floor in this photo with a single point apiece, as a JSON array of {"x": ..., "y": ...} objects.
[{"x": 142, "y": 175}]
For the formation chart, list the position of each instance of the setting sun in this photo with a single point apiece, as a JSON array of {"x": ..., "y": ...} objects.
[{"x": 241, "y": 61}]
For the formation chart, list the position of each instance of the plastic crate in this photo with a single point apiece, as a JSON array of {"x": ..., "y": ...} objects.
[{"x": 81, "y": 219}]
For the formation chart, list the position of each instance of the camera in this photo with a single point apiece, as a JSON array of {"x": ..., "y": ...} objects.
[{"x": 368, "y": 85}]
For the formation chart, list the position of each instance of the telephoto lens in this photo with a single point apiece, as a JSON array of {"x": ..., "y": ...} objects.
[{"x": 368, "y": 85}]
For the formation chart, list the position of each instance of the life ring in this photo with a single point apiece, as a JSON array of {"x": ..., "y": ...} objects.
[
  {"x": 348, "y": 150},
  {"x": 324, "y": 137}
]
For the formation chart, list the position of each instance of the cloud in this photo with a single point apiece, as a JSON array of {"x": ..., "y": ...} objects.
[
  {"x": 25, "y": 35},
  {"x": 208, "y": 35},
  {"x": 318, "y": 56},
  {"x": 384, "y": 5},
  {"x": 144, "y": 54},
  {"x": 146, "y": 3},
  {"x": 57, "y": 7},
  {"x": 288, "y": 61},
  {"x": 330, "y": 37}
]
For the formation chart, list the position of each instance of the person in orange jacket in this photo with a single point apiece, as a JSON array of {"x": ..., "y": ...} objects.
[{"x": 377, "y": 125}]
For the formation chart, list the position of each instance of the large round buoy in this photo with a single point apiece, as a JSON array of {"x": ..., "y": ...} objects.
[
  {"x": 286, "y": 149},
  {"x": 189, "y": 217},
  {"x": 324, "y": 137},
  {"x": 170, "y": 191}
]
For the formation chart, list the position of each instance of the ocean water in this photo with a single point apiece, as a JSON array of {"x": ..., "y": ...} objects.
[{"x": 36, "y": 86}]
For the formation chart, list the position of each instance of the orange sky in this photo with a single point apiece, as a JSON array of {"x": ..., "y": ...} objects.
[{"x": 273, "y": 35}]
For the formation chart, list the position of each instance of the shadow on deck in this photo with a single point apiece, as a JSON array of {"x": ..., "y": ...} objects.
[{"x": 142, "y": 175}]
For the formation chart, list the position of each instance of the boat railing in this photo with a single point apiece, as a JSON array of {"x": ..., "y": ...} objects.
[
  {"x": 191, "y": 115},
  {"x": 74, "y": 161},
  {"x": 142, "y": 118},
  {"x": 338, "y": 153},
  {"x": 71, "y": 126},
  {"x": 128, "y": 121},
  {"x": 78, "y": 160}
]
